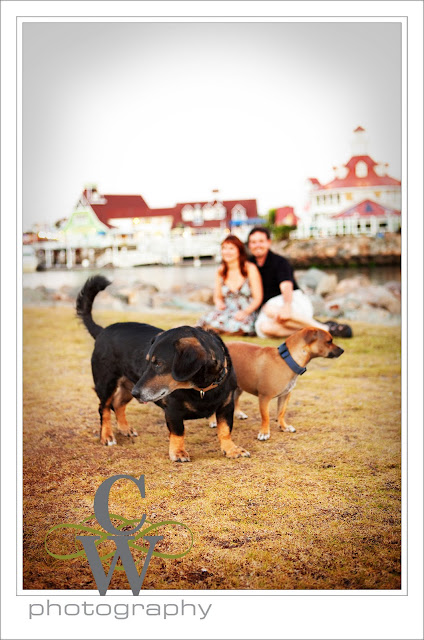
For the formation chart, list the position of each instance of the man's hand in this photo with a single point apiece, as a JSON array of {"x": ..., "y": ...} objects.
[
  {"x": 284, "y": 313},
  {"x": 220, "y": 305}
]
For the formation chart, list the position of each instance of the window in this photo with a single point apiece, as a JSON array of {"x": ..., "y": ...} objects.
[
  {"x": 361, "y": 169},
  {"x": 198, "y": 215},
  {"x": 187, "y": 213},
  {"x": 215, "y": 211},
  {"x": 238, "y": 213}
]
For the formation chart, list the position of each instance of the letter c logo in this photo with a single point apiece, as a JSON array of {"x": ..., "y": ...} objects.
[{"x": 101, "y": 504}]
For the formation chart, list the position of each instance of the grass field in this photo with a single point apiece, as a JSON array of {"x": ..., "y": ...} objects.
[{"x": 316, "y": 509}]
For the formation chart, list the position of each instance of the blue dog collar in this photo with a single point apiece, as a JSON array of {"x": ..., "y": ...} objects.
[{"x": 285, "y": 354}]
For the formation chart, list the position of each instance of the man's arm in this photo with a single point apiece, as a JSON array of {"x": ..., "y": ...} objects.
[{"x": 286, "y": 288}]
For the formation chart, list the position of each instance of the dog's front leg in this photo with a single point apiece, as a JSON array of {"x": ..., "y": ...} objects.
[
  {"x": 224, "y": 419},
  {"x": 282, "y": 407},
  {"x": 177, "y": 453}
]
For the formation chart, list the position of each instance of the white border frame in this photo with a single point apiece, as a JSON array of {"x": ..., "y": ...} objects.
[{"x": 229, "y": 601}]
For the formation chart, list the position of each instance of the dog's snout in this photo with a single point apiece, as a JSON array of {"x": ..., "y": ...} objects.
[
  {"x": 336, "y": 352},
  {"x": 135, "y": 392}
]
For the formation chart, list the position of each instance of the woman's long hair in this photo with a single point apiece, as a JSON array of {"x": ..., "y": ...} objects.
[{"x": 242, "y": 256}]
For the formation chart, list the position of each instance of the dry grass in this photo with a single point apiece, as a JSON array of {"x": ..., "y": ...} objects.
[{"x": 317, "y": 509}]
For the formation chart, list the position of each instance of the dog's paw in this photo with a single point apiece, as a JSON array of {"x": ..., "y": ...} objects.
[
  {"x": 130, "y": 432},
  {"x": 236, "y": 452},
  {"x": 180, "y": 456},
  {"x": 288, "y": 429},
  {"x": 213, "y": 424},
  {"x": 263, "y": 436},
  {"x": 241, "y": 415},
  {"x": 108, "y": 441}
]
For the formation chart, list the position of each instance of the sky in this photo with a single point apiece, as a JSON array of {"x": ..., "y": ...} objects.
[{"x": 174, "y": 110}]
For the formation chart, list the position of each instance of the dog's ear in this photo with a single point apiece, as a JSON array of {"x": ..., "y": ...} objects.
[
  {"x": 189, "y": 358},
  {"x": 311, "y": 335}
]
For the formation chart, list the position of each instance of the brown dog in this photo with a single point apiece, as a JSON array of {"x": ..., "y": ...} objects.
[{"x": 263, "y": 372}]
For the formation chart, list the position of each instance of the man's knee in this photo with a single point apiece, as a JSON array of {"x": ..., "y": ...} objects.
[{"x": 273, "y": 329}]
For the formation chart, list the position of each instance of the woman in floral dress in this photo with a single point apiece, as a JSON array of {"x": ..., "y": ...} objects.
[{"x": 238, "y": 292}]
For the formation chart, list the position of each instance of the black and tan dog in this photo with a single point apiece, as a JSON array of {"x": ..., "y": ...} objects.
[
  {"x": 270, "y": 372},
  {"x": 187, "y": 371}
]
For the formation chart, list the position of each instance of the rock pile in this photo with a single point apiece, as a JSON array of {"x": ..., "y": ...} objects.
[
  {"x": 342, "y": 250},
  {"x": 353, "y": 298}
]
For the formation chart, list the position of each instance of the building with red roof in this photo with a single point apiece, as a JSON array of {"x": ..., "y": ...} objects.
[
  {"x": 131, "y": 212},
  {"x": 360, "y": 189},
  {"x": 361, "y": 178},
  {"x": 286, "y": 216},
  {"x": 124, "y": 231}
]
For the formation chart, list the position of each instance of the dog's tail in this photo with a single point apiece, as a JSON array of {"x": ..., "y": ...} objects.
[{"x": 85, "y": 302}]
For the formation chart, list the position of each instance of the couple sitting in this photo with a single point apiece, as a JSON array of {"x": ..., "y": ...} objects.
[{"x": 261, "y": 296}]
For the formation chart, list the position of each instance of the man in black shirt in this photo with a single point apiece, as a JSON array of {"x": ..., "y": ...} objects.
[{"x": 285, "y": 308}]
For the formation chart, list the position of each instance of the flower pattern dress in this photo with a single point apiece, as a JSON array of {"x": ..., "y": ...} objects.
[{"x": 224, "y": 321}]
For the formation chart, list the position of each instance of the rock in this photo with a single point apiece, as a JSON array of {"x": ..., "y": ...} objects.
[
  {"x": 330, "y": 252},
  {"x": 352, "y": 284},
  {"x": 204, "y": 295},
  {"x": 318, "y": 304},
  {"x": 59, "y": 296},
  {"x": 33, "y": 296},
  {"x": 372, "y": 296},
  {"x": 348, "y": 302},
  {"x": 104, "y": 300},
  {"x": 70, "y": 290},
  {"x": 394, "y": 288},
  {"x": 181, "y": 303},
  {"x": 326, "y": 285},
  {"x": 367, "y": 313},
  {"x": 379, "y": 296},
  {"x": 310, "y": 279},
  {"x": 177, "y": 288}
]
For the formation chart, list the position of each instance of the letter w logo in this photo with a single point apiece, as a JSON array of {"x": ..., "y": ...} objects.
[{"x": 123, "y": 552}]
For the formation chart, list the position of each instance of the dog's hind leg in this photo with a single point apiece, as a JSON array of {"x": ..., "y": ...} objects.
[
  {"x": 238, "y": 413},
  {"x": 105, "y": 388},
  {"x": 264, "y": 432},
  {"x": 121, "y": 398},
  {"x": 106, "y": 433},
  {"x": 282, "y": 407}
]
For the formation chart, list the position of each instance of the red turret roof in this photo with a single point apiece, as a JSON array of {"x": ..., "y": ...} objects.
[
  {"x": 315, "y": 182},
  {"x": 352, "y": 180}
]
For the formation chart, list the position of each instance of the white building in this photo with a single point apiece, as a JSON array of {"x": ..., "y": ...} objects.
[{"x": 361, "y": 198}]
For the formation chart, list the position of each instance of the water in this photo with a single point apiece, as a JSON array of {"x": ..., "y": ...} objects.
[{"x": 165, "y": 278}]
